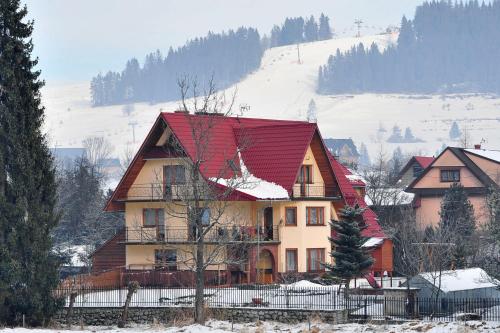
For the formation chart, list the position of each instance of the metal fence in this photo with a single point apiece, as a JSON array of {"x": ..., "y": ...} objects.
[{"x": 324, "y": 298}]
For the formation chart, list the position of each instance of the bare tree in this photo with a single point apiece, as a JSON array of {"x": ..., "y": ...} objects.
[
  {"x": 217, "y": 233},
  {"x": 97, "y": 149}
]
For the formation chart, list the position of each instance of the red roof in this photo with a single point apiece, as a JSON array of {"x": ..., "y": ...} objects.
[
  {"x": 354, "y": 182},
  {"x": 272, "y": 150},
  {"x": 424, "y": 161},
  {"x": 352, "y": 198}
]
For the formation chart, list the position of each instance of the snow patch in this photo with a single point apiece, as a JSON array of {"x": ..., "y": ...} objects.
[
  {"x": 490, "y": 154},
  {"x": 252, "y": 185},
  {"x": 374, "y": 241},
  {"x": 461, "y": 279}
]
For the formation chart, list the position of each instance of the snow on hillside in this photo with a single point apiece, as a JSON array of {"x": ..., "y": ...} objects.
[{"x": 282, "y": 88}]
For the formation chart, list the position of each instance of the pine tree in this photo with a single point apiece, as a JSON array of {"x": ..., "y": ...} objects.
[
  {"x": 351, "y": 260},
  {"x": 312, "y": 112},
  {"x": 311, "y": 30},
  {"x": 455, "y": 132},
  {"x": 457, "y": 222},
  {"x": 28, "y": 269},
  {"x": 324, "y": 32},
  {"x": 364, "y": 158}
]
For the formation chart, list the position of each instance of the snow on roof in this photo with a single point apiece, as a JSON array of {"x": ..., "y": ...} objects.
[
  {"x": 391, "y": 197},
  {"x": 490, "y": 154},
  {"x": 373, "y": 241},
  {"x": 254, "y": 186},
  {"x": 461, "y": 279}
]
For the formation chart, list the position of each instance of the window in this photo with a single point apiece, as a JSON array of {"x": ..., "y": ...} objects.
[
  {"x": 291, "y": 216},
  {"x": 174, "y": 174},
  {"x": 153, "y": 217},
  {"x": 315, "y": 260},
  {"x": 450, "y": 176},
  {"x": 315, "y": 215},
  {"x": 305, "y": 175},
  {"x": 166, "y": 259},
  {"x": 291, "y": 260},
  {"x": 205, "y": 217},
  {"x": 417, "y": 170}
]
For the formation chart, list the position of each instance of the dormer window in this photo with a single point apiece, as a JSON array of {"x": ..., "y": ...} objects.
[
  {"x": 305, "y": 175},
  {"x": 450, "y": 176}
]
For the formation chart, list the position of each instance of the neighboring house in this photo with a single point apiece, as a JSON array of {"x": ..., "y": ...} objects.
[
  {"x": 344, "y": 150},
  {"x": 298, "y": 188},
  {"x": 414, "y": 168},
  {"x": 438, "y": 289},
  {"x": 477, "y": 170}
]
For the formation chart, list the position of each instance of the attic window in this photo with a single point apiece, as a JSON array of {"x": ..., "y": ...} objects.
[
  {"x": 417, "y": 170},
  {"x": 233, "y": 166}
]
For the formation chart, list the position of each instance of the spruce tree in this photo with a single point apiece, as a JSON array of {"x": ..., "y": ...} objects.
[
  {"x": 28, "y": 269},
  {"x": 455, "y": 132},
  {"x": 324, "y": 32},
  {"x": 351, "y": 260},
  {"x": 458, "y": 223}
]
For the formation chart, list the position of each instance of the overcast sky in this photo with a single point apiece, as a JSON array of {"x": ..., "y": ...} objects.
[{"x": 75, "y": 39}]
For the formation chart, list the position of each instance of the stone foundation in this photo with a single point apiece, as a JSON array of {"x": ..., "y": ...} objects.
[{"x": 111, "y": 316}]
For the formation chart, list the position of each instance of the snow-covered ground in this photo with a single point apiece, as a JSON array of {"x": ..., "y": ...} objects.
[
  {"x": 261, "y": 327},
  {"x": 282, "y": 88}
]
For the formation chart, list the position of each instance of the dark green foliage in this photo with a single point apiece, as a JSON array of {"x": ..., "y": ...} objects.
[
  {"x": 324, "y": 32},
  {"x": 457, "y": 222},
  {"x": 81, "y": 199},
  {"x": 227, "y": 57},
  {"x": 297, "y": 30},
  {"x": 448, "y": 47},
  {"x": 350, "y": 258},
  {"x": 28, "y": 269},
  {"x": 455, "y": 132}
]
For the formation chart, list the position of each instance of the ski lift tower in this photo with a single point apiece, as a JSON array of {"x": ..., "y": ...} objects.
[{"x": 358, "y": 23}]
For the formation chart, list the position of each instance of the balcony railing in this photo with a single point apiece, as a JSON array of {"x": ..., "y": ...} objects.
[
  {"x": 314, "y": 191},
  {"x": 234, "y": 234},
  {"x": 155, "y": 192}
]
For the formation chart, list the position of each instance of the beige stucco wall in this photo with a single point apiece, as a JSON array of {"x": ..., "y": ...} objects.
[
  {"x": 432, "y": 178},
  {"x": 428, "y": 212},
  {"x": 300, "y": 237}
]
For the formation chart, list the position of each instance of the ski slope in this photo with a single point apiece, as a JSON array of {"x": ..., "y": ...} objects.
[{"x": 282, "y": 88}]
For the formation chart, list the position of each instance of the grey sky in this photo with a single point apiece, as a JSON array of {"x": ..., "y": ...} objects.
[{"x": 76, "y": 39}]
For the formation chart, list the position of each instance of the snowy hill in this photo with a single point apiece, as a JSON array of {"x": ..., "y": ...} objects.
[{"x": 282, "y": 88}]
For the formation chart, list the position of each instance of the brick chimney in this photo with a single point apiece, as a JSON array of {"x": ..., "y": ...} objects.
[{"x": 477, "y": 146}]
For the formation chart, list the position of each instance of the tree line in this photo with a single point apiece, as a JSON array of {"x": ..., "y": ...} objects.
[
  {"x": 227, "y": 56},
  {"x": 298, "y": 30},
  {"x": 447, "y": 47}
]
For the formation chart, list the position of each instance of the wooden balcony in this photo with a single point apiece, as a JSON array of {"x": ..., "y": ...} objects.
[
  {"x": 185, "y": 235},
  {"x": 155, "y": 192}
]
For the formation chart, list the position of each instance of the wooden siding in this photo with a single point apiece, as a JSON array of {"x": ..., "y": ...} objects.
[
  {"x": 110, "y": 255},
  {"x": 383, "y": 257},
  {"x": 323, "y": 162}
]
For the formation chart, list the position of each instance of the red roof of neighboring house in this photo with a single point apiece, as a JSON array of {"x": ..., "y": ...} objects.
[
  {"x": 356, "y": 182},
  {"x": 352, "y": 198},
  {"x": 424, "y": 161}
]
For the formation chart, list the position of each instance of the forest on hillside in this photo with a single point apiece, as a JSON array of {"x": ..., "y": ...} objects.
[
  {"x": 227, "y": 57},
  {"x": 447, "y": 48}
]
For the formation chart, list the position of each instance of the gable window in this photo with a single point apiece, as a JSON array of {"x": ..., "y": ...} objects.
[
  {"x": 315, "y": 260},
  {"x": 305, "y": 175},
  {"x": 166, "y": 259},
  {"x": 174, "y": 174},
  {"x": 291, "y": 216},
  {"x": 417, "y": 170},
  {"x": 153, "y": 217},
  {"x": 315, "y": 215},
  {"x": 291, "y": 260},
  {"x": 450, "y": 175}
]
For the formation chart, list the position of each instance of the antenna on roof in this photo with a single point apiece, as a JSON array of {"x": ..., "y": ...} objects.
[{"x": 244, "y": 108}]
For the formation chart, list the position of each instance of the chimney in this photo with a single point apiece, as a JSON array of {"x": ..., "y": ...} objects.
[
  {"x": 182, "y": 111},
  {"x": 478, "y": 146}
]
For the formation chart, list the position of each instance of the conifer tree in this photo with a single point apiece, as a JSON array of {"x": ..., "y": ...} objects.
[
  {"x": 458, "y": 222},
  {"x": 28, "y": 269},
  {"x": 351, "y": 260},
  {"x": 324, "y": 32},
  {"x": 455, "y": 132}
]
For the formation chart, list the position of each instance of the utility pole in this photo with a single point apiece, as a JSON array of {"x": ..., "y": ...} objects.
[
  {"x": 358, "y": 22},
  {"x": 298, "y": 53},
  {"x": 133, "y": 124}
]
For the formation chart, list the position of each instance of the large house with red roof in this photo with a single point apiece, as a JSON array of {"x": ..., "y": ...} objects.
[{"x": 295, "y": 188}]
